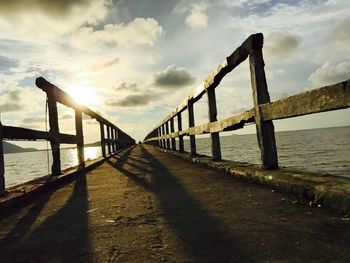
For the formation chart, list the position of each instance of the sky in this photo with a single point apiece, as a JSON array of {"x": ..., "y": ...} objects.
[{"x": 134, "y": 61}]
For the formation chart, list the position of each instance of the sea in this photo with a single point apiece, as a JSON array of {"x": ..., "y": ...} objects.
[{"x": 323, "y": 151}]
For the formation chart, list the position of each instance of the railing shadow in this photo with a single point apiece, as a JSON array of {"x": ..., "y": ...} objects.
[
  {"x": 203, "y": 236},
  {"x": 61, "y": 237}
]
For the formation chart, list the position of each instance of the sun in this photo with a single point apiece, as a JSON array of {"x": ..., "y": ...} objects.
[{"x": 83, "y": 93}]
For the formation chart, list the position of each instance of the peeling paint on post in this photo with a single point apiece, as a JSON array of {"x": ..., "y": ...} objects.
[
  {"x": 191, "y": 124},
  {"x": 215, "y": 137},
  {"x": 2, "y": 165},
  {"x": 80, "y": 138},
  {"x": 264, "y": 129}
]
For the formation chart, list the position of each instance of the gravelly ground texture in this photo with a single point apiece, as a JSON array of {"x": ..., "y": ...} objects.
[{"x": 149, "y": 206}]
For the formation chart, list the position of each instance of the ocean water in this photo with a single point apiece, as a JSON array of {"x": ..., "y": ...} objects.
[
  {"x": 23, "y": 167},
  {"x": 323, "y": 151}
]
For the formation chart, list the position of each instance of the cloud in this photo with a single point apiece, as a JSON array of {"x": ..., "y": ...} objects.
[
  {"x": 105, "y": 64},
  {"x": 66, "y": 116},
  {"x": 10, "y": 107},
  {"x": 197, "y": 19},
  {"x": 13, "y": 102},
  {"x": 341, "y": 34},
  {"x": 33, "y": 120},
  {"x": 330, "y": 73},
  {"x": 141, "y": 31},
  {"x": 132, "y": 101},
  {"x": 281, "y": 44},
  {"x": 172, "y": 77},
  {"x": 196, "y": 13},
  {"x": 48, "y": 6},
  {"x": 20, "y": 18},
  {"x": 128, "y": 86}
]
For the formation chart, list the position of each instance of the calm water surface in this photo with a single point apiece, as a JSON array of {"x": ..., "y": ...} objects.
[{"x": 324, "y": 151}]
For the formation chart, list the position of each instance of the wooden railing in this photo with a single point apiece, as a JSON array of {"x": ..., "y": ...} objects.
[
  {"x": 114, "y": 140},
  {"x": 328, "y": 98}
]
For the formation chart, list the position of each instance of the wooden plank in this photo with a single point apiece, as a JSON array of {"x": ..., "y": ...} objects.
[
  {"x": 173, "y": 142},
  {"x": 18, "y": 133},
  {"x": 2, "y": 164},
  {"x": 265, "y": 129},
  {"x": 191, "y": 124},
  {"x": 181, "y": 138},
  {"x": 332, "y": 97},
  {"x": 215, "y": 137},
  {"x": 229, "y": 124},
  {"x": 79, "y": 138},
  {"x": 54, "y": 134},
  {"x": 67, "y": 138}
]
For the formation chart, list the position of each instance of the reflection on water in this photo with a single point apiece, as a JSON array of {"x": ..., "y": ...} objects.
[{"x": 22, "y": 167}]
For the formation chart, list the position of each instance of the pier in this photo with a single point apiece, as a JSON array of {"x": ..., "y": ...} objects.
[{"x": 153, "y": 202}]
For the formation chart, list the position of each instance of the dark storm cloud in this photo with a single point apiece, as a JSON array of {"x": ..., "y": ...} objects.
[
  {"x": 131, "y": 101},
  {"x": 172, "y": 77},
  {"x": 48, "y": 6}
]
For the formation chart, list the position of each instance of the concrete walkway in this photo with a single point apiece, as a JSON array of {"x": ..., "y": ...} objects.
[{"x": 149, "y": 206}]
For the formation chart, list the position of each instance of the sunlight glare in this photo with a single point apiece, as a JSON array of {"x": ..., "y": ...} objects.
[{"x": 83, "y": 93}]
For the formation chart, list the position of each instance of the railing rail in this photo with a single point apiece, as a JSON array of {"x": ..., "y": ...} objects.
[
  {"x": 116, "y": 139},
  {"x": 332, "y": 97}
]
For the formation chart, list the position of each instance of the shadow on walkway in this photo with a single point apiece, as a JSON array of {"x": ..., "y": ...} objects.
[
  {"x": 61, "y": 237},
  {"x": 202, "y": 235}
]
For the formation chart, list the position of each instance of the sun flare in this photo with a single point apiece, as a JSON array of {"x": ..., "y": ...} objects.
[{"x": 83, "y": 93}]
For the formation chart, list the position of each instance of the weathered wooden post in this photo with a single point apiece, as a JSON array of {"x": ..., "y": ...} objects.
[
  {"x": 167, "y": 132},
  {"x": 215, "y": 137},
  {"x": 163, "y": 133},
  {"x": 264, "y": 129},
  {"x": 191, "y": 124},
  {"x": 115, "y": 140},
  {"x": 79, "y": 137},
  {"x": 2, "y": 165},
  {"x": 54, "y": 134},
  {"x": 181, "y": 138},
  {"x": 109, "y": 140},
  {"x": 173, "y": 142},
  {"x": 158, "y": 135},
  {"x": 102, "y": 133},
  {"x": 51, "y": 93}
]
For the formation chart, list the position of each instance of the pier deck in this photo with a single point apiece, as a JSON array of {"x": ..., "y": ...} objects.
[{"x": 150, "y": 206}]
